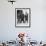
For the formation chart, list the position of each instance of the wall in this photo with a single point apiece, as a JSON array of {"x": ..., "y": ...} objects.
[{"x": 7, "y": 19}]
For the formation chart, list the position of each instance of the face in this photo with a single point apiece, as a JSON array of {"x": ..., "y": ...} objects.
[{"x": 21, "y": 35}]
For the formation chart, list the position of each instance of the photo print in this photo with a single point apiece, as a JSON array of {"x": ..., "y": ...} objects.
[{"x": 22, "y": 17}]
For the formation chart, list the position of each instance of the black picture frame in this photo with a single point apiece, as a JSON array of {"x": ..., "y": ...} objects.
[{"x": 29, "y": 17}]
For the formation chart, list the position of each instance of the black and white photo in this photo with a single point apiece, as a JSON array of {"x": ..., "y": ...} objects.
[{"x": 22, "y": 17}]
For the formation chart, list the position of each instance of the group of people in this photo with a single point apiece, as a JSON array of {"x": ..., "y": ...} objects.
[{"x": 21, "y": 17}]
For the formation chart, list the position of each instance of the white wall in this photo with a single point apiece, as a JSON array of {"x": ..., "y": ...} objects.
[{"x": 38, "y": 19}]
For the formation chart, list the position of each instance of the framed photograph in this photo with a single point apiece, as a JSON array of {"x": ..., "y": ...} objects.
[{"x": 22, "y": 17}]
